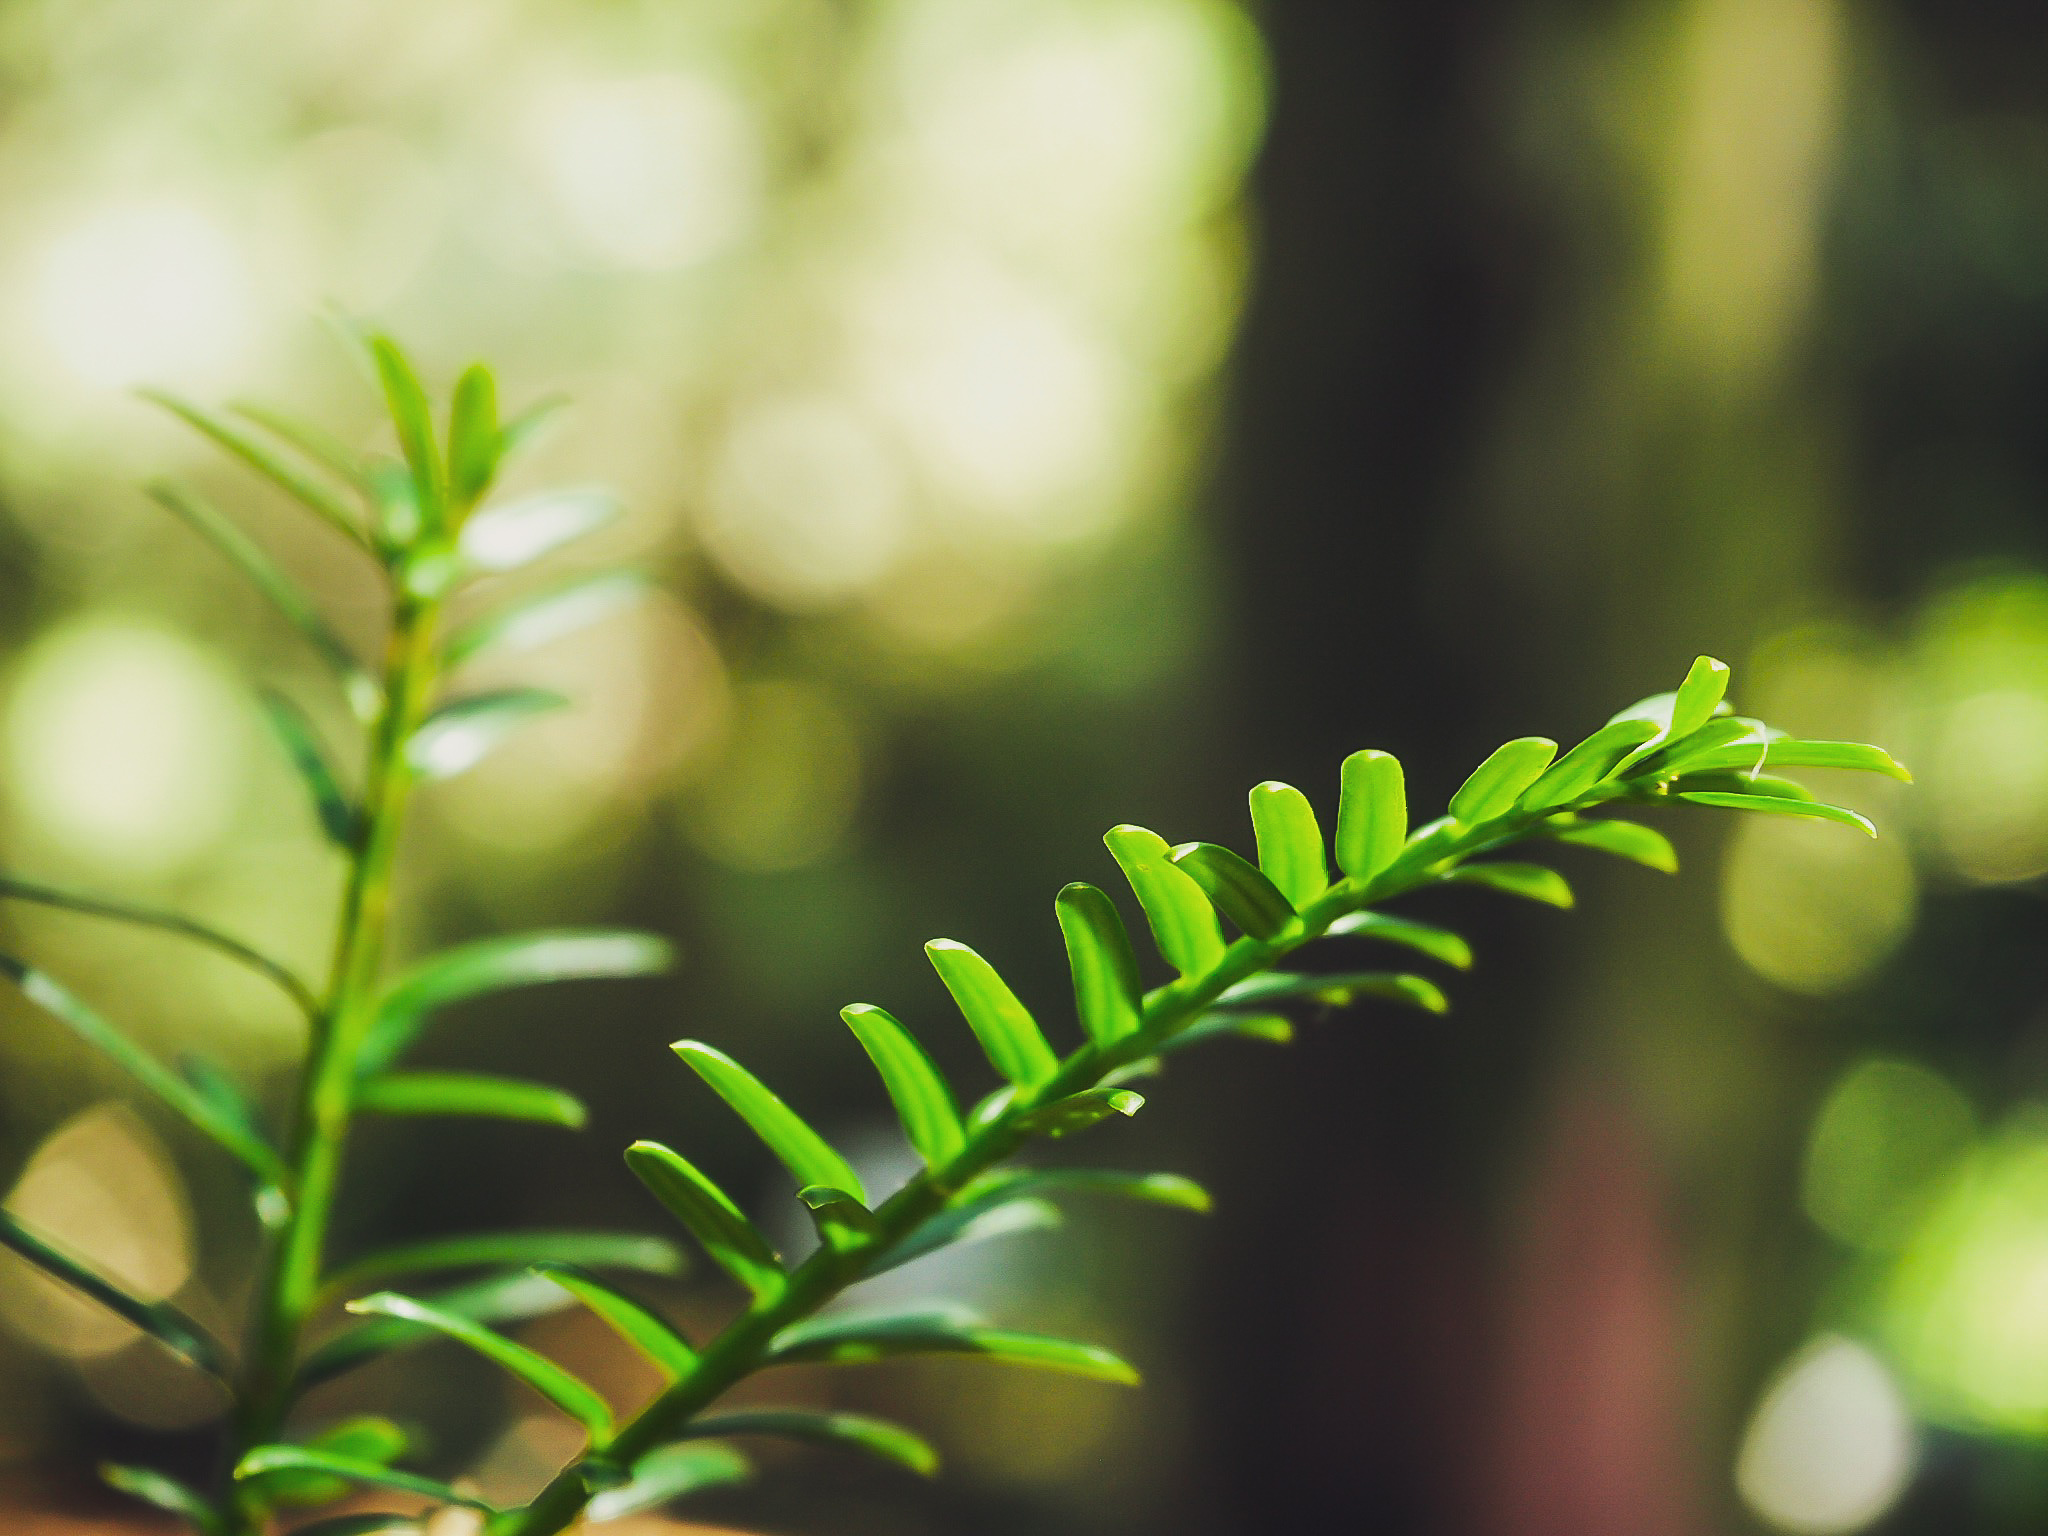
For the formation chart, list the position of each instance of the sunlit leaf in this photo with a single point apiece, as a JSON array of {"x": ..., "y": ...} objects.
[
  {"x": 1425, "y": 938},
  {"x": 332, "y": 507},
  {"x": 700, "y": 1205},
  {"x": 470, "y": 1093},
  {"x": 1624, "y": 839},
  {"x": 1167, "y": 1189},
  {"x": 842, "y": 1221},
  {"x": 1182, "y": 921},
  {"x": 1785, "y": 752},
  {"x": 498, "y": 964},
  {"x": 1779, "y": 806},
  {"x": 1272, "y": 1028},
  {"x": 283, "y": 594},
  {"x": 923, "y": 1102},
  {"x": 478, "y": 1250},
  {"x": 670, "y": 1473},
  {"x": 298, "y": 1458},
  {"x": 1372, "y": 813},
  {"x": 544, "y": 616},
  {"x": 574, "y": 1397},
  {"x": 1497, "y": 783},
  {"x": 460, "y": 734},
  {"x": 1236, "y": 889},
  {"x": 1532, "y": 882},
  {"x": 193, "y": 1106},
  {"x": 1007, "y": 1032},
  {"x": 1586, "y": 764},
  {"x": 1107, "y": 993},
  {"x": 414, "y": 422},
  {"x": 472, "y": 436},
  {"x": 312, "y": 441},
  {"x": 508, "y": 535},
  {"x": 1734, "y": 736},
  {"x": 1078, "y": 1111},
  {"x": 159, "y": 1319},
  {"x": 1290, "y": 842},
  {"x": 631, "y": 1319},
  {"x": 301, "y": 743},
  {"x": 1698, "y": 697},
  {"x": 806, "y": 1154},
  {"x": 1337, "y": 988},
  {"x": 166, "y": 1493},
  {"x": 858, "y": 1340},
  {"x": 851, "y": 1431}
]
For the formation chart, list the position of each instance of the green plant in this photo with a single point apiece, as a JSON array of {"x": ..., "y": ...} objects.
[{"x": 426, "y": 520}]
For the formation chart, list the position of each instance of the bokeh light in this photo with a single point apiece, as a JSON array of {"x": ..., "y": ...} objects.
[
  {"x": 1831, "y": 1445},
  {"x": 1886, "y": 1134}
]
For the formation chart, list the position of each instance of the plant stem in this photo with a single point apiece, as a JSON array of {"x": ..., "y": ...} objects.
[
  {"x": 744, "y": 1345},
  {"x": 327, "y": 1089}
]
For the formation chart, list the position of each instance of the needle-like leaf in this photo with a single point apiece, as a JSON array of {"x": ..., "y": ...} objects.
[
  {"x": 576, "y": 1398},
  {"x": 700, "y": 1205},
  {"x": 806, "y": 1154},
  {"x": 1183, "y": 923},
  {"x": 1237, "y": 889},
  {"x": 851, "y": 1431},
  {"x": 159, "y": 1319},
  {"x": 628, "y": 1317},
  {"x": 195, "y": 1107},
  {"x": 923, "y": 1102},
  {"x": 1078, "y": 1111},
  {"x": 479, "y": 1250},
  {"x": 1531, "y": 882},
  {"x": 301, "y": 743},
  {"x": 514, "y": 534},
  {"x": 166, "y": 1493},
  {"x": 472, "y": 437},
  {"x": 1497, "y": 783},
  {"x": 1372, "y": 813},
  {"x": 1425, "y": 938},
  {"x": 670, "y": 1473},
  {"x": 298, "y": 1458},
  {"x": 1009, "y": 1036},
  {"x": 1624, "y": 839},
  {"x": 1698, "y": 697},
  {"x": 1586, "y": 764},
  {"x": 460, "y": 734},
  {"x": 504, "y": 1298},
  {"x": 414, "y": 421},
  {"x": 858, "y": 1340},
  {"x": 1107, "y": 993},
  {"x": 548, "y": 615},
  {"x": 365, "y": 1437},
  {"x": 303, "y": 488},
  {"x": 1777, "y": 806},
  {"x": 470, "y": 1093}
]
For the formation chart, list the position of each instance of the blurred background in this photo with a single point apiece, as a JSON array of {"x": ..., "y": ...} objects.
[{"x": 1047, "y": 413}]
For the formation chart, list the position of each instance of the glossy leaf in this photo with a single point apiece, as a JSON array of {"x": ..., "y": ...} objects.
[
  {"x": 1078, "y": 1111},
  {"x": 363, "y": 1438},
  {"x": 1786, "y": 752},
  {"x": 1588, "y": 763},
  {"x": 88, "y": 905},
  {"x": 1236, "y": 889},
  {"x": 858, "y": 1340},
  {"x": 332, "y": 507},
  {"x": 1497, "y": 783},
  {"x": 1733, "y": 782},
  {"x": 503, "y": 1298},
  {"x": 841, "y": 1220},
  {"x": 1290, "y": 842},
  {"x": 1182, "y": 921},
  {"x": 193, "y": 1106},
  {"x": 513, "y": 534},
  {"x": 1425, "y": 938},
  {"x": 1532, "y": 882},
  {"x": 1698, "y": 697},
  {"x": 631, "y": 1319},
  {"x": 1008, "y": 1034},
  {"x": 544, "y": 616},
  {"x": 159, "y": 1319},
  {"x": 1108, "y": 995},
  {"x": 1372, "y": 813},
  {"x": 1337, "y": 988},
  {"x": 460, "y": 734},
  {"x": 166, "y": 1493},
  {"x": 670, "y": 1473},
  {"x": 732, "y": 1240},
  {"x": 470, "y": 1093},
  {"x": 298, "y": 1458},
  {"x": 414, "y": 422},
  {"x": 472, "y": 436},
  {"x": 576, "y": 1398},
  {"x": 923, "y": 1102},
  {"x": 851, "y": 1431},
  {"x": 480, "y": 1250},
  {"x": 806, "y": 1154},
  {"x": 1779, "y": 806},
  {"x": 498, "y": 964},
  {"x": 1733, "y": 736},
  {"x": 282, "y": 593},
  {"x": 301, "y": 743},
  {"x": 1624, "y": 839}
]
